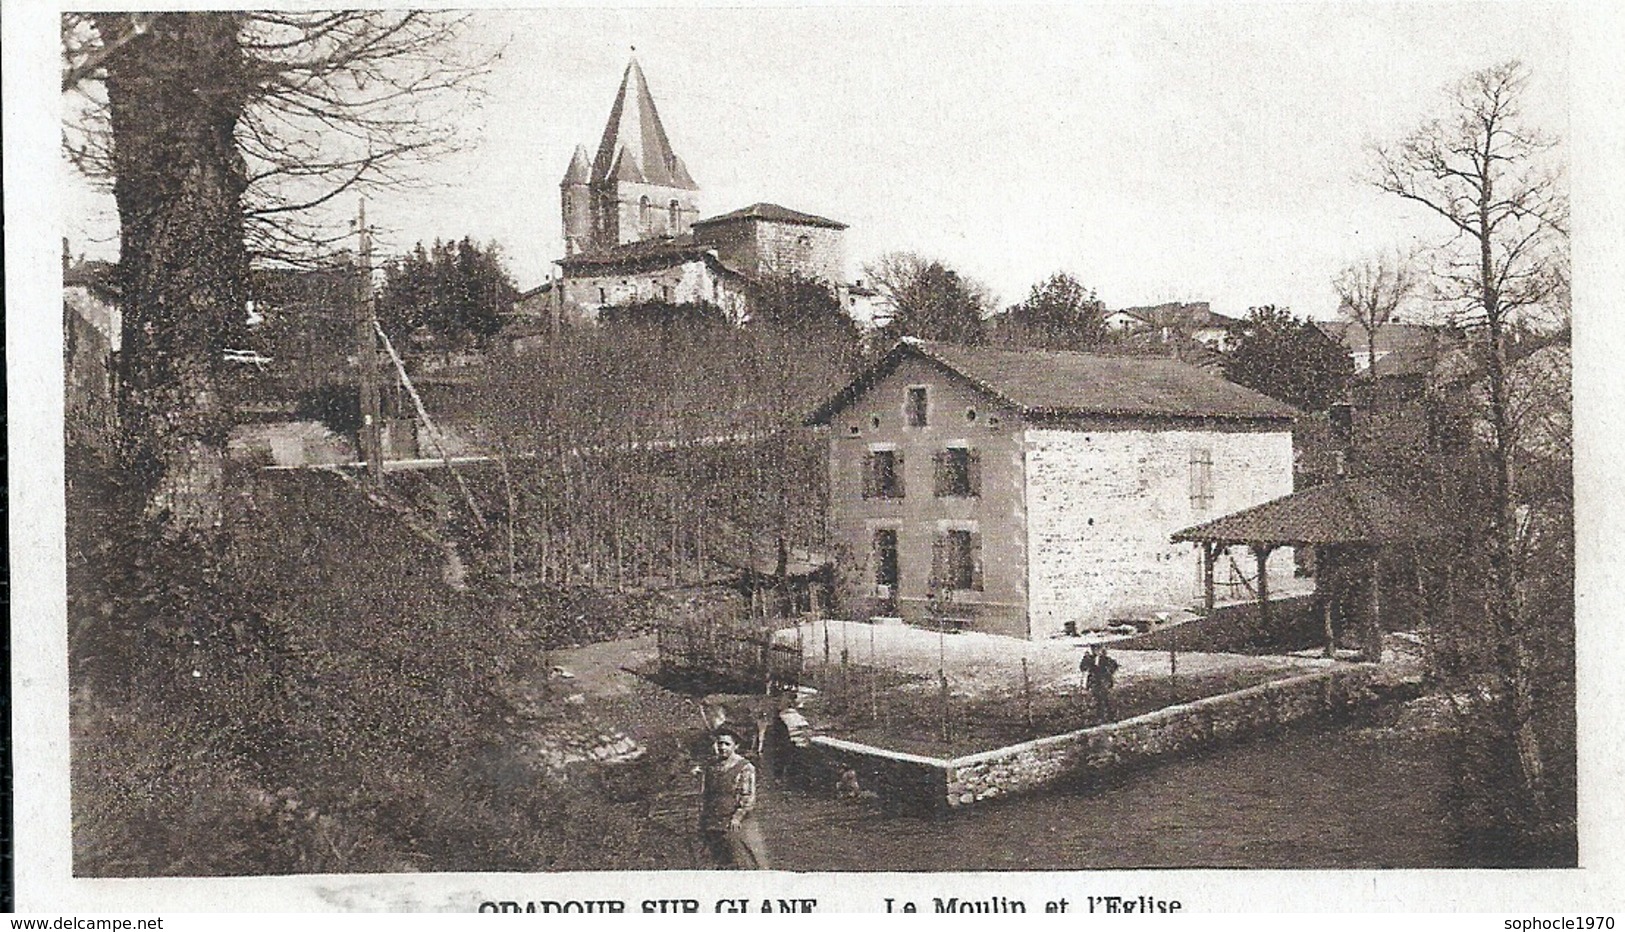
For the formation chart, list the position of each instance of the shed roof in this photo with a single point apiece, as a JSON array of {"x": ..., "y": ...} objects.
[
  {"x": 1055, "y": 383},
  {"x": 1344, "y": 511}
]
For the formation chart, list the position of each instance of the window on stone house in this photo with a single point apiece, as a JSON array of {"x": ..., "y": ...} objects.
[
  {"x": 958, "y": 473},
  {"x": 883, "y": 474},
  {"x": 674, "y": 215},
  {"x": 918, "y": 406},
  {"x": 643, "y": 210},
  {"x": 1201, "y": 478},
  {"x": 885, "y": 560},
  {"x": 603, "y": 296},
  {"x": 957, "y": 561}
]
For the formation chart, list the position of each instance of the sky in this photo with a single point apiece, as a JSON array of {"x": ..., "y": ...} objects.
[{"x": 1173, "y": 152}]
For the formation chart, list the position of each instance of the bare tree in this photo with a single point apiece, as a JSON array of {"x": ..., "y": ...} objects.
[
  {"x": 1495, "y": 183},
  {"x": 1370, "y": 293},
  {"x": 222, "y": 136},
  {"x": 334, "y": 103}
]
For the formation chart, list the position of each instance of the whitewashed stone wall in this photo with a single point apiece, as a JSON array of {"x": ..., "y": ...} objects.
[
  {"x": 690, "y": 281},
  {"x": 1102, "y": 501}
]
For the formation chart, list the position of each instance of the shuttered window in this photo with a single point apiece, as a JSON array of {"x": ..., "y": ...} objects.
[
  {"x": 918, "y": 406},
  {"x": 958, "y": 473},
  {"x": 883, "y": 474},
  {"x": 956, "y": 561},
  {"x": 1201, "y": 478}
]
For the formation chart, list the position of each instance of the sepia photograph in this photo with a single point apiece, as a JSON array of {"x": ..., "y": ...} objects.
[{"x": 816, "y": 439}]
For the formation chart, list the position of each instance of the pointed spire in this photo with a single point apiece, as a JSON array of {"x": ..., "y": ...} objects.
[
  {"x": 580, "y": 170},
  {"x": 635, "y": 146}
]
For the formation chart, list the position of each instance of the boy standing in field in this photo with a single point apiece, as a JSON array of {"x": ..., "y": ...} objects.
[{"x": 727, "y": 800}]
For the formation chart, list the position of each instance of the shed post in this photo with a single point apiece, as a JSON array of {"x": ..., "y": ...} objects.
[
  {"x": 1210, "y": 556},
  {"x": 1373, "y": 644},
  {"x": 1261, "y": 552}
]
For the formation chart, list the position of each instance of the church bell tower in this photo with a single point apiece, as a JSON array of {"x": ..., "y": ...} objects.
[{"x": 635, "y": 188}]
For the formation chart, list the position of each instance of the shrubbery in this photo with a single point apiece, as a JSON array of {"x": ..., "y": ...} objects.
[{"x": 315, "y": 698}]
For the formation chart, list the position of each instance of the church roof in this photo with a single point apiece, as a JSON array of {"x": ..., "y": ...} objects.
[
  {"x": 580, "y": 170},
  {"x": 1055, "y": 383},
  {"x": 635, "y": 146},
  {"x": 660, "y": 252},
  {"x": 763, "y": 211},
  {"x": 658, "y": 249}
]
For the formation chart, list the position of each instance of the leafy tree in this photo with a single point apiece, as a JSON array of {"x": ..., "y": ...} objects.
[
  {"x": 456, "y": 290},
  {"x": 929, "y": 300},
  {"x": 1287, "y": 358},
  {"x": 1059, "y": 313},
  {"x": 797, "y": 303}
]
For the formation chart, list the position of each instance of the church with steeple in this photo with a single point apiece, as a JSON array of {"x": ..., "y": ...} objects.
[
  {"x": 633, "y": 233},
  {"x": 635, "y": 188}
]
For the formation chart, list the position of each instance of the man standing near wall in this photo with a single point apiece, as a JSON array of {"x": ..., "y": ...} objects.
[{"x": 1099, "y": 671}]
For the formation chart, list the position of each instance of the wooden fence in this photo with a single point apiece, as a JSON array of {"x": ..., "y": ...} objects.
[{"x": 727, "y": 644}]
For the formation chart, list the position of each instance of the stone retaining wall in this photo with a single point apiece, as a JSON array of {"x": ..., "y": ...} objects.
[{"x": 915, "y": 781}]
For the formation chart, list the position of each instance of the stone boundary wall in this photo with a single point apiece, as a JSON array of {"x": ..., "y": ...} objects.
[{"x": 919, "y": 782}]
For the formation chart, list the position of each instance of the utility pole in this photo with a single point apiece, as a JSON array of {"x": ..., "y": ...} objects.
[{"x": 372, "y": 418}]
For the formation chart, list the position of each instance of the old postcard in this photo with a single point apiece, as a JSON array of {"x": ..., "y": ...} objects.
[{"x": 979, "y": 459}]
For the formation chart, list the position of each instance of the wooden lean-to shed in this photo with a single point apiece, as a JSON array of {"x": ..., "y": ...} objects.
[{"x": 1348, "y": 522}]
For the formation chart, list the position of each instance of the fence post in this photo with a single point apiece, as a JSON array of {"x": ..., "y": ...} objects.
[
  {"x": 947, "y": 733},
  {"x": 1026, "y": 694},
  {"x": 874, "y": 698}
]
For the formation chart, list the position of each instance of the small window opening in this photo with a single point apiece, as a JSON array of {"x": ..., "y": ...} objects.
[{"x": 917, "y": 406}]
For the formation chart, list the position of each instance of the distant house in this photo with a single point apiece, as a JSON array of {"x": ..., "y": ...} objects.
[
  {"x": 1396, "y": 350},
  {"x": 1195, "y": 321},
  {"x": 1020, "y": 492}
]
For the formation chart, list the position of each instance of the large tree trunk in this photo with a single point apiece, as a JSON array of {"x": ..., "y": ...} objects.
[{"x": 175, "y": 95}]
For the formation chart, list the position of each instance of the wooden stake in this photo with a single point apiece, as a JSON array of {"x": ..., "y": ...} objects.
[{"x": 1026, "y": 694}]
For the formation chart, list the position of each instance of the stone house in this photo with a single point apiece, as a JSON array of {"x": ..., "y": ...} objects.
[
  {"x": 1023, "y": 492},
  {"x": 1195, "y": 321}
]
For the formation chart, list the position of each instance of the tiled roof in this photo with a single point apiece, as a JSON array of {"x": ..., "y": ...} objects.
[
  {"x": 1196, "y": 315},
  {"x": 661, "y": 249},
  {"x": 1053, "y": 383},
  {"x": 635, "y": 146},
  {"x": 774, "y": 212},
  {"x": 1344, "y": 511}
]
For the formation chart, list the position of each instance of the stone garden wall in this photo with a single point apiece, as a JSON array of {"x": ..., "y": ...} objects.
[{"x": 924, "y": 782}]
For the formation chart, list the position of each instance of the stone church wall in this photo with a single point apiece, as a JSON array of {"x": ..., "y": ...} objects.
[
  {"x": 761, "y": 247},
  {"x": 815, "y": 252}
]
